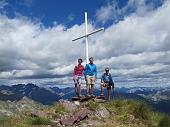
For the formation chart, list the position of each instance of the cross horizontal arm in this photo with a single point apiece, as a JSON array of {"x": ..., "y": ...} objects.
[
  {"x": 89, "y": 34},
  {"x": 79, "y": 38},
  {"x": 95, "y": 31}
]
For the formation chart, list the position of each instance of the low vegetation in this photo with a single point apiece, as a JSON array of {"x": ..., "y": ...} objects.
[
  {"x": 39, "y": 121},
  {"x": 164, "y": 122},
  {"x": 122, "y": 113},
  {"x": 93, "y": 105}
]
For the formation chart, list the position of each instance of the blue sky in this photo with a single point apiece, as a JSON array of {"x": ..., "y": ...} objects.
[
  {"x": 35, "y": 41},
  {"x": 66, "y": 12},
  {"x": 60, "y": 11}
]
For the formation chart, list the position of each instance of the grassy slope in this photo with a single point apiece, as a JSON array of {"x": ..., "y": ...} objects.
[{"x": 122, "y": 113}]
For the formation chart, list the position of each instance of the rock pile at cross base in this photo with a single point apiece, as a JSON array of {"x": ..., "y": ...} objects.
[{"x": 79, "y": 115}]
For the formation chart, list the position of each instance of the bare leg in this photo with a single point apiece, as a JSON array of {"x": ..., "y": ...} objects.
[
  {"x": 79, "y": 89},
  {"x": 92, "y": 89},
  {"x": 102, "y": 91},
  {"x": 112, "y": 92},
  {"x": 87, "y": 89},
  {"x": 76, "y": 90},
  {"x": 87, "y": 86},
  {"x": 108, "y": 93}
]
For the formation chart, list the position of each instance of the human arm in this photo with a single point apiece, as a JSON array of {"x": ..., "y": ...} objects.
[
  {"x": 84, "y": 72},
  {"x": 102, "y": 79},
  {"x": 111, "y": 81},
  {"x": 74, "y": 74},
  {"x": 95, "y": 72}
]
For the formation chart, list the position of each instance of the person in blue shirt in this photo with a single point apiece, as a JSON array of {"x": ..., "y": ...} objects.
[
  {"x": 106, "y": 81},
  {"x": 90, "y": 74}
]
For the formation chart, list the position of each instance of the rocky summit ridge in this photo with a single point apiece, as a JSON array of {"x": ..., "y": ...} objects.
[{"x": 115, "y": 113}]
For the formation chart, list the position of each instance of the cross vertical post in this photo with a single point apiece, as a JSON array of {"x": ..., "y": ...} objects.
[
  {"x": 86, "y": 37},
  {"x": 86, "y": 32}
]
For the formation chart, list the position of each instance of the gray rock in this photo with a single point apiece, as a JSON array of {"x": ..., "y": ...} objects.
[
  {"x": 102, "y": 112},
  {"x": 36, "y": 113},
  {"x": 75, "y": 117},
  {"x": 5, "y": 113},
  {"x": 99, "y": 100},
  {"x": 131, "y": 118},
  {"x": 77, "y": 103},
  {"x": 70, "y": 106},
  {"x": 113, "y": 114}
]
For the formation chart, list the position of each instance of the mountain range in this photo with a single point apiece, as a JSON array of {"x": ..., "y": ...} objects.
[{"x": 157, "y": 97}]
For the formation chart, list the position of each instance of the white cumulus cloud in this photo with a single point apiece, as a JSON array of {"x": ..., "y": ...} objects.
[{"x": 136, "y": 46}]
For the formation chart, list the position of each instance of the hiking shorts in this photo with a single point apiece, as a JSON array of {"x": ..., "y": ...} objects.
[
  {"x": 90, "y": 80},
  {"x": 106, "y": 85},
  {"x": 78, "y": 80}
]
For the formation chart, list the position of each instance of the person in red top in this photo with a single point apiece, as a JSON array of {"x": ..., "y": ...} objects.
[{"x": 78, "y": 73}]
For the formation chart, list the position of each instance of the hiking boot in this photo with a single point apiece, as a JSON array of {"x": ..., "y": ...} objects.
[
  {"x": 81, "y": 96},
  {"x": 92, "y": 95},
  {"x": 87, "y": 95}
]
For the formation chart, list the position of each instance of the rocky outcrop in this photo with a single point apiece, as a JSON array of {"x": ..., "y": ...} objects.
[
  {"x": 75, "y": 117},
  {"x": 36, "y": 113},
  {"x": 99, "y": 100},
  {"x": 102, "y": 112},
  {"x": 69, "y": 106}
]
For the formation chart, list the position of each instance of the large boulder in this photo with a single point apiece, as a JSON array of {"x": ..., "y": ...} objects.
[
  {"x": 102, "y": 112},
  {"x": 69, "y": 106},
  {"x": 75, "y": 117}
]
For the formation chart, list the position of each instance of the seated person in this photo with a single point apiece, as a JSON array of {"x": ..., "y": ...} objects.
[{"x": 106, "y": 81}]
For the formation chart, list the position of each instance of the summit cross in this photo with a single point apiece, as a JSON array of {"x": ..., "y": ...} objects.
[{"x": 86, "y": 37}]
